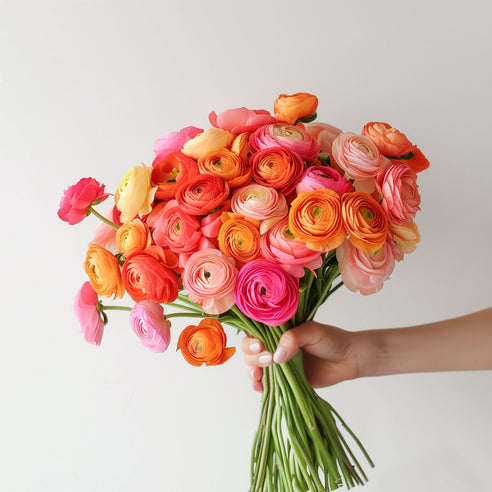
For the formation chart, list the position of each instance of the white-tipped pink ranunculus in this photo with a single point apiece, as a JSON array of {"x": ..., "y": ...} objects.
[
  {"x": 85, "y": 308},
  {"x": 150, "y": 325},
  {"x": 318, "y": 177},
  {"x": 174, "y": 141},
  {"x": 365, "y": 272},
  {"x": 209, "y": 277},
  {"x": 240, "y": 120}
]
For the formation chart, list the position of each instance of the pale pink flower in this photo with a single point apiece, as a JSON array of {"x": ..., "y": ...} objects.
[
  {"x": 174, "y": 141},
  {"x": 324, "y": 135},
  {"x": 150, "y": 325},
  {"x": 365, "y": 272},
  {"x": 240, "y": 120},
  {"x": 318, "y": 177},
  {"x": 105, "y": 235},
  {"x": 85, "y": 308}
]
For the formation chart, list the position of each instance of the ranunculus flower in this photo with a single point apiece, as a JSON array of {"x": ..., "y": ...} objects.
[
  {"x": 208, "y": 141},
  {"x": 289, "y": 137},
  {"x": 324, "y": 135},
  {"x": 365, "y": 221},
  {"x": 85, "y": 308},
  {"x": 406, "y": 237},
  {"x": 239, "y": 238},
  {"x": 103, "y": 271},
  {"x": 291, "y": 108},
  {"x": 147, "y": 278},
  {"x": 240, "y": 145},
  {"x": 240, "y": 120},
  {"x": 228, "y": 165},
  {"x": 174, "y": 141},
  {"x": 365, "y": 272},
  {"x": 133, "y": 236},
  {"x": 205, "y": 343},
  {"x": 135, "y": 193},
  {"x": 104, "y": 234},
  {"x": 201, "y": 194},
  {"x": 398, "y": 186},
  {"x": 78, "y": 198},
  {"x": 211, "y": 223},
  {"x": 260, "y": 203},
  {"x": 266, "y": 293},
  {"x": 417, "y": 163},
  {"x": 317, "y": 177},
  {"x": 150, "y": 325},
  {"x": 277, "y": 168},
  {"x": 209, "y": 277},
  {"x": 315, "y": 217},
  {"x": 169, "y": 171},
  {"x": 279, "y": 245},
  {"x": 358, "y": 156}
]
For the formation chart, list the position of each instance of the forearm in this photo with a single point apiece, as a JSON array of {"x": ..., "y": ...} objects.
[{"x": 457, "y": 344}]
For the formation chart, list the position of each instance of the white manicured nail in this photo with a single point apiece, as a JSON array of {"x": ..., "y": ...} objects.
[
  {"x": 254, "y": 347},
  {"x": 279, "y": 355},
  {"x": 265, "y": 358}
]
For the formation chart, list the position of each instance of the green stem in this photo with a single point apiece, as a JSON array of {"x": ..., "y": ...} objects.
[
  {"x": 101, "y": 217},
  {"x": 114, "y": 308}
]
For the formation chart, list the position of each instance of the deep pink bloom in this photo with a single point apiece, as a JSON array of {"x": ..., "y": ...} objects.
[
  {"x": 150, "y": 325},
  {"x": 240, "y": 120},
  {"x": 76, "y": 200},
  {"x": 85, "y": 308},
  {"x": 174, "y": 141},
  {"x": 318, "y": 177},
  {"x": 266, "y": 293}
]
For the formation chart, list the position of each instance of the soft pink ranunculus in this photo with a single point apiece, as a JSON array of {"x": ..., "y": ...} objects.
[
  {"x": 324, "y": 134},
  {"x": 278, "y": 245},
  {"x": 77, "y": 199},
  {"x": 265, "y": 292},
  {"x": 174, "y": 141},
  {"x": 401, "y": 199},
  {"x": 85, "y": 308},
  {"x": 209, "y": 277},
  {"x": 105, "y": 235},
  {"x": 358, "y": 156},
  {"x": 240, "y": 120},
  {"x": 211, "y": 223},
  {"x": 150, "y": 325},
  {"x": 318, "y": 177},
  {"x": 365, "y": 272},
  {"x": 289, "y": 137}
]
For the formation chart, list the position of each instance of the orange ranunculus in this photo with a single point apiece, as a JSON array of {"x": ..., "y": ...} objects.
[
  {"x": 205, "y": 343},
  {"x": 208, "y": 141},
  {"x": 418, "y": 162},
  {"x": 365, "y": 221},
  {"x": 239, "y": 238},
  {"x": 406, "y": 237},
  {"x": 240, "y": 145},
  {"x": 289, "y": 109},
  {"x": 228, "y": 165},
  {"x": 103, "y": 270},
  {"x": 277, "y": 168},
  {"x": 315, "y": 217},
  {"x": 133, "y": 236},
  {"x": 169, "y": 171}
]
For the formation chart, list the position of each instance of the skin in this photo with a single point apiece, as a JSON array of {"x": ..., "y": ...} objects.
[{"x": 332, "y": 355}]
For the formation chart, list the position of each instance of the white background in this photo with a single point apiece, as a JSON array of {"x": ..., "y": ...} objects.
[{"x": 85, "y": 89}]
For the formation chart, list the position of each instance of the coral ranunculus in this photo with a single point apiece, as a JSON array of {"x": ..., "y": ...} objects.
[
  {"x": 230, "y": 166},
  {"x": 241, "y": 120},
  {"x": 205, "y": 344},
  {"x": 77, "y": 199},
  {"x": 405, "y": 237},
  {"x": 289, "y": 109},
  {"x": 388, "y": 140},
  {"x": 85, "y": 308},
  {"x": 239, "y": 238},
  {"x": 266, "y": 293},
  {"x": 103, "y": 271},
  {"x": 133, "y": 236},
  {"x": 150, "y": 325}
]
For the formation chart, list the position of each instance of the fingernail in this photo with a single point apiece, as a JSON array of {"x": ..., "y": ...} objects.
[
  {"x": 254, "y": 347},
  {"x": 279, "y": 355},
  {"x": 265, "y": 358}
]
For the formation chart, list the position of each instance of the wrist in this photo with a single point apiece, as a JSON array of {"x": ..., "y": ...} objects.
[{"x": 369, "y": 349}]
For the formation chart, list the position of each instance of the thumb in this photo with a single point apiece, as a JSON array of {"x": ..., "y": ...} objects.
[{"x": 292, "y": 340}]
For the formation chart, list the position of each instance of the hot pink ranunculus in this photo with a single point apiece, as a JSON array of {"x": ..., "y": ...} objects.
[
  {"x": 265, "y": 292},
  {"x": 77, "y": 199},
  {"x": 85, "y": 308},
  {"x": 318, "y": 177},
  {"x": 209, "y": 277},
  {"x": 324, "y": 134},
  {"x": 174, "y": 141},
  {"x": 278, "y": 245},
  {"x": 401, "y": 199},
  {"x": 365, "y": 272},
  {"x": 289, "y": 137},
  {"x": 150, "y": 325},
  {"x": 240, "y": 120}
]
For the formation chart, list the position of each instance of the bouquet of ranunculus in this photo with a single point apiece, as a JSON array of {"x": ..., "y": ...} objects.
[{"x": 250, "y": 223}]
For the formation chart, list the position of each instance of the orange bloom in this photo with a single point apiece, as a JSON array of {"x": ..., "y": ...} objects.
[
  {"x": 103, "y": 270},
  {"x": 291, "y": 108},
  {"x": 315, "y": 217},
  {"x": 239, "y": 238},
  {"x": 133, "y": 236},
  {"x": 365, "y": 221},
  {"x": 240, "y": 145},
  {"x": 226, "y": 164},
  {"x": 208, "y": 141},
  {"x": 205, "y": 343},
  {"x": 406, "y": 238}
]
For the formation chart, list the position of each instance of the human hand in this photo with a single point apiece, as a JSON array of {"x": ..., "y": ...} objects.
[{"x": 329, "y": 354}]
